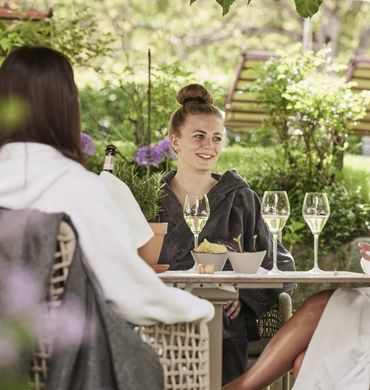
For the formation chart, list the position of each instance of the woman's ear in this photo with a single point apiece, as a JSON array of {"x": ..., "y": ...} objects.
[{"x": 174, "y": 143}]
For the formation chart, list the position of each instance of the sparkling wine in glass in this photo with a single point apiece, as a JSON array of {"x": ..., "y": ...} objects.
[
  {"x": 196, "y": 213},
  {"x": 275, "y": 210},
  {"x": 316, "y": 211}
]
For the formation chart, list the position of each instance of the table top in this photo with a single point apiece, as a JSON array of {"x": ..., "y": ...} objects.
[{"x": 231, "y": 277}]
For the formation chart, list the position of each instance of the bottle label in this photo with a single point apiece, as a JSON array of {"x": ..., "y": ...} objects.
[{"x": 109, "y": 163}]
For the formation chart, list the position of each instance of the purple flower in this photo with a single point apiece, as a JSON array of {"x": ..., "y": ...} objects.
[
  {"x": 20, "y": 296},
  {"x": 67, "y": 325},
  {"x": 149, "y": 155},
  {"x": 24, "y": 316},
  {"x": 87, "y": 144},
  {"x": 165, "y": 146}
]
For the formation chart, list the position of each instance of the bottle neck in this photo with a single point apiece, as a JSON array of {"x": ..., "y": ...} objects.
[{"x": 109, "y": 161}]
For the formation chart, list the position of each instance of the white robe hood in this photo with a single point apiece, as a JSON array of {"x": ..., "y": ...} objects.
[{"x": 24, "y": 163}]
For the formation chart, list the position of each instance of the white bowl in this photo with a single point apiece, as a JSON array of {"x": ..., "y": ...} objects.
[
  {"x": 218, "y": 259},
  {"x": 246, "y": 262}
]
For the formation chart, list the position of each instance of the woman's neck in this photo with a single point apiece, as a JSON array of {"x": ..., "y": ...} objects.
[{"x": 191, "y": 182}]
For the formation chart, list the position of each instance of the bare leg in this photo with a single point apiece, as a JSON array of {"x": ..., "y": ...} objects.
[{"x": 280, "y": 353}]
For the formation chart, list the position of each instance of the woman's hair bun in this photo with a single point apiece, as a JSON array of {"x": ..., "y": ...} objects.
[{"x": 194, "y": 93}]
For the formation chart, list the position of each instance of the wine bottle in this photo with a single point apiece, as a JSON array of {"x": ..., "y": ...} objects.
[{"x": 110, "y": 158}]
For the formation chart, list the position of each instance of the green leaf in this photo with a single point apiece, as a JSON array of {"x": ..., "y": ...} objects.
[
  {"x": 307, "y": 8},
  {"x": 225, "y": 4}
]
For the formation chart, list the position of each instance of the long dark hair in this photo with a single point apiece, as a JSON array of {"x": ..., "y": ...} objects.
[{"x": 42, "y": 80}]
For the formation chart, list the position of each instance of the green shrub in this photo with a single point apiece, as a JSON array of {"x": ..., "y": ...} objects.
[
  {"x": 119, "y": 110},
  {"x": 266, "y": 169},
  {"x": 311, "y": 111}
]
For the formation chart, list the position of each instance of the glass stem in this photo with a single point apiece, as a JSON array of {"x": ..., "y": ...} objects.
[
  {"x": 196, "y": 236},
  {"x": 274, "y": 252},
  {"x": 315, "y": 251}
]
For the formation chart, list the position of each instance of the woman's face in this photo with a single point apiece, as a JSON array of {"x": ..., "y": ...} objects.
[{"x": 200, "y": 142}]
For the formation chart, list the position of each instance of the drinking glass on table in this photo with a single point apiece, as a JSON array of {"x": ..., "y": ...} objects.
[
  {"x": 275, "y": 210},
  {"x": 316, "y": 211},
  {"x": 196, "y": 213}
]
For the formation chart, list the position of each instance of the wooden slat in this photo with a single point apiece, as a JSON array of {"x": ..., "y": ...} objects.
[
  {"x": 243, "y": 112},
  {"x": 245, "y": 117},
  {"x": 8, "y": 13}
]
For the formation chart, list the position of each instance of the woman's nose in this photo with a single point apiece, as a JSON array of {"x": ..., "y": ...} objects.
[{"x": 207, "y": 142}]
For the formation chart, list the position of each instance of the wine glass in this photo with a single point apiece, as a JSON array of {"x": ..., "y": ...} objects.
[
  {"x": 316, "y": 211},
  {"x": 196, "y": 213},
  {"x": 275, "y": 211}
]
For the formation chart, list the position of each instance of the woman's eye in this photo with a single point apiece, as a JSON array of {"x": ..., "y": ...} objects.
[
  {"x": 199, "y": 136},
  {"x": 217, "y": 139}
]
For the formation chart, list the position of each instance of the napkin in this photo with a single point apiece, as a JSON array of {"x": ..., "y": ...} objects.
[{"x": 365, "y": 264}]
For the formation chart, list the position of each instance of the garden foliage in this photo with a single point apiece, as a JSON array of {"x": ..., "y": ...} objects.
[
  {"x": 119, "y": 109},
  {"x": 305, "y": 8},
  {"x": 310, "y": 112},
  {"x": 73, "y": 30}
]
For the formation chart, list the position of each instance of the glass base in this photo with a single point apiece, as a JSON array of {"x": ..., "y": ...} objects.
[
  {"x": 275, "y": 271},
  {"x": 316, "y": 270}
]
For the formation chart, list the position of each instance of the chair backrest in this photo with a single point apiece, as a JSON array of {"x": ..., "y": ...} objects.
[
  {"x": 272, "y": 320},
  {"x": 268, "y": 324},
  {"x": 183, "y": 350},
  {"x": 242, "y": 110},
  {"x": 359, "y": 72},
  {"x": 66, "y": 245}
]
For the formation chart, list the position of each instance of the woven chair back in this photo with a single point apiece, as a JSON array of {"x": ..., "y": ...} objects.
[
  {"x": 183, "y": 350},
  {"x": 42, "y": 352}
]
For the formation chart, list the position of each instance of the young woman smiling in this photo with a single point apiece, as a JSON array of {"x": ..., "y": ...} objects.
[{"x": 196, "y": 131}]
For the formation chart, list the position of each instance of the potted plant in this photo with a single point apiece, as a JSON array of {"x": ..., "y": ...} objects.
[{"x": 147, "y": 190}]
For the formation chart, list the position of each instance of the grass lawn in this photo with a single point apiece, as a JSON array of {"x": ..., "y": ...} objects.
[
  {"x": 248, "y": 161},
  {"x": 357, "y": 171}
]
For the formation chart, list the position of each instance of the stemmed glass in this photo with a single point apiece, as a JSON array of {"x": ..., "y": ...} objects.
[
  {"x": 196, "y": 213},
  {"x": 316, "y": 211},
  {"x": 275, "y": 211}
]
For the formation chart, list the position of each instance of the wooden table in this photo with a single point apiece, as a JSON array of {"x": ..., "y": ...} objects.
[{"x": 223, "y": 286}]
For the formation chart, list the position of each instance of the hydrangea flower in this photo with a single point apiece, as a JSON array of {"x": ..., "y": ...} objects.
[
  {"x": 149, "y": 155},
  {"x": 153, "y": 155},
  {"x": 165, "y": 146},
  {"x": 87, "y": 144}
]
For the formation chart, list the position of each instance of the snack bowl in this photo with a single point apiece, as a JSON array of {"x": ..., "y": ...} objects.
[
  {"x": 159, "y": 268},
  {"x": 218, "y": 259},
  {"x": 246, "y": 262}
]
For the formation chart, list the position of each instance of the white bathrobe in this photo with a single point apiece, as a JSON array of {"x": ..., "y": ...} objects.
[
  {"x": 37, "y": 176},
  {"x": 125, "y": 201},
  {"x": 338, "y": 356}
]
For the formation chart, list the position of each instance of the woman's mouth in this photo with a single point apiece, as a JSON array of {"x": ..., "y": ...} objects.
[{"x": 204, "y": 156}]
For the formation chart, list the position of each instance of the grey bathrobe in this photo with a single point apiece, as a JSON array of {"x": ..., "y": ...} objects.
[
  {"x": 235, "y": 209},
  {"x": 113, "y": 357}
]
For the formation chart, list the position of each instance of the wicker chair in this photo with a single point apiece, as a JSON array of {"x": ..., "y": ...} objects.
[
  {"x": 182, "y": 348},
  {"x": 183, "y": 351},
  {"x": 66, "y": 245},
  {"x": 268, "y": 325}
]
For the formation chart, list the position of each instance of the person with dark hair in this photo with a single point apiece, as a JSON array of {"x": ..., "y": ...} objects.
[
  {"x": 197, "y": 136},
  {"x": 42, "y": 168},
  {"x": 326, "y": 343}
]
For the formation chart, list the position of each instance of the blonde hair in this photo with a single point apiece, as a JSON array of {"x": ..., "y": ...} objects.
[{"x": 195, "y": 100}]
